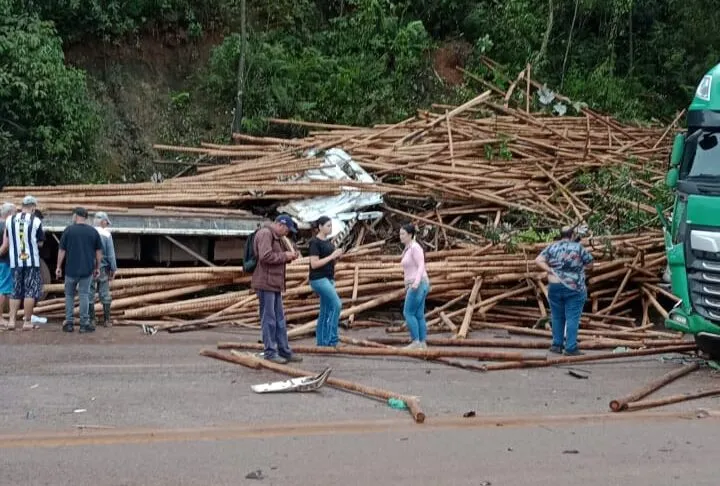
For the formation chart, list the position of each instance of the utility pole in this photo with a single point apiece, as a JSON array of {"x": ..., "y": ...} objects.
[{"x": 238, "y": 114}]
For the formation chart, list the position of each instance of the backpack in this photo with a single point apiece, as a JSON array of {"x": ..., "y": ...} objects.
[{"x": 250, "y": 259}]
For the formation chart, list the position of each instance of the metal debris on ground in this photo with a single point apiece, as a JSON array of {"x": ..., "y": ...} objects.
[{"x": 303, "y": 384}]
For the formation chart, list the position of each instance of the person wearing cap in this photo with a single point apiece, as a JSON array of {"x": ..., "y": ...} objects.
[
  {"x": 565, "y": 262},
  {"x": 6, "y": 283},
  {"x": 81, "y": 251},
  {"x": 101, "y": 285},
  {"x": 22, "y": 239},
  {"x": 268, "y": 281}
]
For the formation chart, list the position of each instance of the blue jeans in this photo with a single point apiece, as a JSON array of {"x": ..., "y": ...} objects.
[
  {"x": 414, "y": 311},
  {"x": 566, "y": 306},
  {"x": 272, "y": 320},
  {"x": 329, "y": 316},
  {"x": 82, "y": 285}
]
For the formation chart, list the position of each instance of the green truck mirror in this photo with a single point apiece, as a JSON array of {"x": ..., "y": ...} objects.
[
  {"x": 671, "y": 179},
  {"x": 677, "y": 151}
]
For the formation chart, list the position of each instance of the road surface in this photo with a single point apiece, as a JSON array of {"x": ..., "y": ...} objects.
[{"x": 122, "y": 408}]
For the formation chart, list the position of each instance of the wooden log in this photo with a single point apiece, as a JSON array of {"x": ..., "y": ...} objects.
[
  {"x": 686, "y": 348},
  {"x": 644, "y": 404},
  {"x": 411, "y": 353},
  {"x": 465, "y": 326},
  {"x": 620, "y": 404},
  {"x": 508, "y": 343},
  {"x": 378, "y": 393}
]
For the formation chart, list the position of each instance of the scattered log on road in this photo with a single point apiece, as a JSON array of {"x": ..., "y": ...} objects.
[
  {"x": 256, "y": 363},
  {"x": 620, "y": 404}
]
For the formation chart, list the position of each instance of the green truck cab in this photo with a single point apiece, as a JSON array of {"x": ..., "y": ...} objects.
[{"x": 692, "y": 238}]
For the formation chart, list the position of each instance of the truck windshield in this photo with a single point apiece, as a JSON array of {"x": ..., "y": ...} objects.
[{"x": 702, "y": 155}]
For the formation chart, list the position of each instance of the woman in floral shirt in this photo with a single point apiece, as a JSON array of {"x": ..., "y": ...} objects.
[{"x": 565, "y": 262}]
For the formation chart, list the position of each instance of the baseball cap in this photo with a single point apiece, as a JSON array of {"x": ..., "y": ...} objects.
[
  {"x": 29, "y": 201},
  {"x": 102, "y": 216},
  {"x": 82, "y": 212},
  {"x": 287, "y": 221}
]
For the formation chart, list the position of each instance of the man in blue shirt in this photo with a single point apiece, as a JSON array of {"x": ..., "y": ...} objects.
[
  {"x": 81, "y": 250},
  {"x": 6, "y": 281}
]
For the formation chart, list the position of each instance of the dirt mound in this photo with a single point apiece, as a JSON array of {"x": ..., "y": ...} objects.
[{"x": 449, "y": 56}]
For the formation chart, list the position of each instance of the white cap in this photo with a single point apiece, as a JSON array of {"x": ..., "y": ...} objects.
[
  {"x": 6, "y": 209},
  {"x": 29, "y": 201},
  {"x": 102, "y": 216}
]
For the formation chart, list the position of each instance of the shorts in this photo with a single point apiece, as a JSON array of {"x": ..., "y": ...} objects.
[
  {"x": 6, "y": 280},
  {"x": 27, "y": 283}
]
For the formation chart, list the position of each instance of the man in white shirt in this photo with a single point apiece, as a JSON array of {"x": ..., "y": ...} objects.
[
  {"x": 108, "y": 267},
  {"x": 22, "y": 240}
]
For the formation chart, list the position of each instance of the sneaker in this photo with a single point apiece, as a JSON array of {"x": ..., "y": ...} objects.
[
  {"x": 86, "y": 329},
  {"x": 10, "y": 327},
  {"x": 556, "y": 350},
  {"x": 68, "y": 327},
  {"x": 107, "y": 324},
  {"x": 28, "y": 326},
  {"x": 423, "y": 345},
  {"x": 414, "y": 345},
  {"x": 294, "y": 358},
  {"x": 575, "y": 352},
  {"x": 277, "y": 360}
]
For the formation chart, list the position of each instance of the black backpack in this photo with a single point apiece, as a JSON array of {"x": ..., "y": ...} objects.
[{"x": 250, "y": 259}]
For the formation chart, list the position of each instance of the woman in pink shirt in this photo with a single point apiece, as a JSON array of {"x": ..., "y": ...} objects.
[{"x": 417, "y": 284}]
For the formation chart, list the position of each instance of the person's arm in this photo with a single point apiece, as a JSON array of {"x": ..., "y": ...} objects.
[
  {"x": 98, "y": 254},
  {"x": 542, "y": 262},
  {"x": 60, "y": 260},
  {"x": 61, "y": 254},
  {"x": 265, "y": 253},
  {"x": 587, "y": 259},
  {"x": 5, "y": 243},
  {"x": 418, "y": 257},
  {"x": 111, "y": 256},
  {"x": 40, "y": 236}
]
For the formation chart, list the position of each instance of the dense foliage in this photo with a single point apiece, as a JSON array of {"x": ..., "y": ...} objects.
[
  {"x": 47, "y": 121},
  {"x": 341, "y": 61}
]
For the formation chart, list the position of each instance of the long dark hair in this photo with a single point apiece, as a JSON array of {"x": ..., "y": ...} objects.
[
  {"x": 410, "y": 229},
  {"x": 320, "y": 222}
]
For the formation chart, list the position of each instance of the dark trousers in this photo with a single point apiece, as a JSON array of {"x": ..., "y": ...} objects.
[{"x": 272, "y": 320}]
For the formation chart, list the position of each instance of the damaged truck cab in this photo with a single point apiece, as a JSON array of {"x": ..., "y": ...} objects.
[{"x": 692, "y": 238}]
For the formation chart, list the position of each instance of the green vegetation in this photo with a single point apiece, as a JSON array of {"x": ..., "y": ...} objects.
[
  {"x": 338, "y": 61},
  {"x": 47, "y": 123}
]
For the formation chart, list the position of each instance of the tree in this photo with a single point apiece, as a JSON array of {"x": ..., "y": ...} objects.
[{"x": 48, "y": 123}]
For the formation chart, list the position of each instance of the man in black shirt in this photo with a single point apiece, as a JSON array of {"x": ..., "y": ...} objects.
[{"x": 81, "y": 248}]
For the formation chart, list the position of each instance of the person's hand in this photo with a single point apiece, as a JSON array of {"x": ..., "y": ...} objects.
[
  {"x": 415, "y": 286},
  {"x": 337, "y": 253},
  {"x": 111, "y": 276},
  {"x": 96, "y": 273},
  {"x": 58, "y": 273},
  {"x": 291, "y": 255}
]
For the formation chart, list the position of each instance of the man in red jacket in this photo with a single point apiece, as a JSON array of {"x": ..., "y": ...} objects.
[{"x": 268, "y": 281}]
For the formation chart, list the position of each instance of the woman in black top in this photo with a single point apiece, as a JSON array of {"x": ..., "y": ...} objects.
[{"x": 322, "y": 280}]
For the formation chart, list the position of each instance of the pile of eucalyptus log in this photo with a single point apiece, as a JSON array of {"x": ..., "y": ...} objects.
[
  {"x": 474, "y": 287},
  {"x": 458, "y": 172}
]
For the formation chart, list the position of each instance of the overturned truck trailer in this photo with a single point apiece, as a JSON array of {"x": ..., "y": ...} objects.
[{"x": 150, "y": 237}]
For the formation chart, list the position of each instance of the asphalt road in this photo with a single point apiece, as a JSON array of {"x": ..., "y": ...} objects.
[{"x": 155, "y": 412}]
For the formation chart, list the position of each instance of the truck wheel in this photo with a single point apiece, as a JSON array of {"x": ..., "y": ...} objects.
[
  {"x": 708, "y": 344},
  {"x": 46, "y": 277}
]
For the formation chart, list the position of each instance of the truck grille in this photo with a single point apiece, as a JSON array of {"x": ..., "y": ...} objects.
[{"x": 704, "y": 282}]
